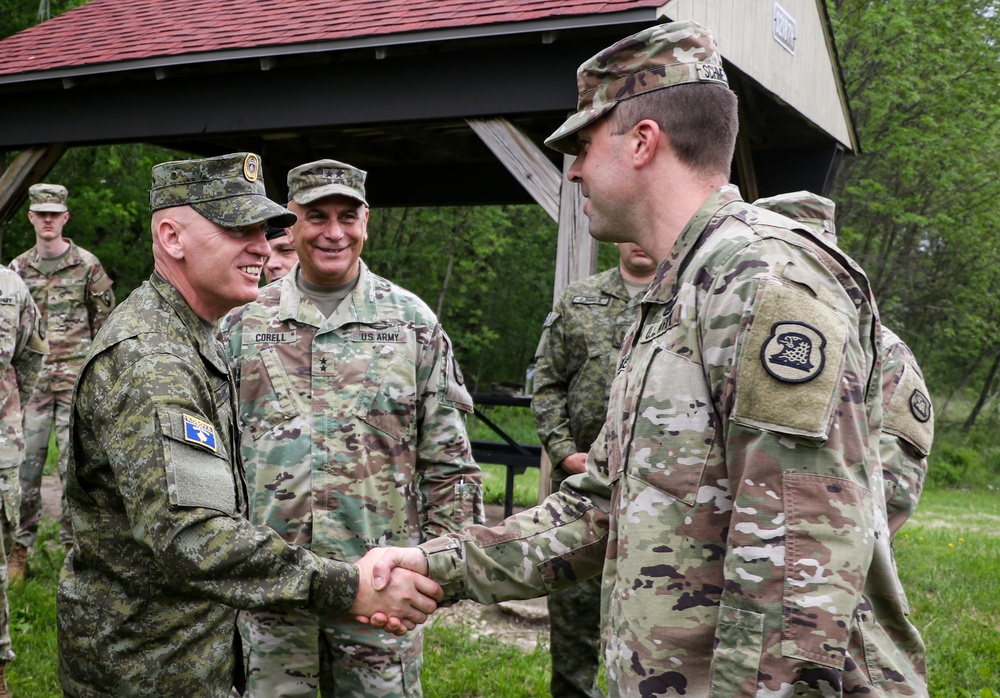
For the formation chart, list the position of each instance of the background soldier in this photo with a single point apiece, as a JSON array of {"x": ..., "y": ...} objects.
[
  {"x": 734, "y": 497},
  {"x": 354, "y": 435},
  {"x": 21, "y": 351},
  {"x": 164, "y": 555},
  {"x": 74, "y": 297},
  {"x": 283, "y": 255},
  {"x": 908, "y": 424},
  {"x": 574, "y": 365}
]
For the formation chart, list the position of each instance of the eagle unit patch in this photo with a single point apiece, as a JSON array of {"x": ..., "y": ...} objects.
[
  {"x": 794, "y": 352},
  {"x": 198, "y": 431},
  {"x": 920, "y": 406}
]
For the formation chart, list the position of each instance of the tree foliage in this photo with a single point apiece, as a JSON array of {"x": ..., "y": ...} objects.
[{"x": 918, "y": 207}]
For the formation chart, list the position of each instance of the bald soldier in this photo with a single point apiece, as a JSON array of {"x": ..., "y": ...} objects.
[
  {"x": 734, "y": 500},
  {"x": 164, "y": 554}
]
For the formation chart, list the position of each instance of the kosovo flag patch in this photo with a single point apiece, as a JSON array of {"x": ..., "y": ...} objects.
[{"x": 198, "y": 431}]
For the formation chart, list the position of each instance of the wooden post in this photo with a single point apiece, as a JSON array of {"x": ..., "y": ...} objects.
[{"x": 576, "y": 251}]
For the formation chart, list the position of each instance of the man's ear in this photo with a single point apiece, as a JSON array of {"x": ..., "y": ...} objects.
[
  {"x": 168, "y": 235},
  {"x": 646, "y": 138}
]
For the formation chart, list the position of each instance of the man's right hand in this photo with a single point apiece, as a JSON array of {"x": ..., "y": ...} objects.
[
  {"x": 574, "y": 463},
  {"x": 394, "y": 592}
]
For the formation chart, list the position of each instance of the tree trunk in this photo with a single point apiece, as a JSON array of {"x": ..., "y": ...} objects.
[{"x": 983, "y": 395}]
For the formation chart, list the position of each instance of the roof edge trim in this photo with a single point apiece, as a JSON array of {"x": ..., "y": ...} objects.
[{"x": 549, "y": 24}]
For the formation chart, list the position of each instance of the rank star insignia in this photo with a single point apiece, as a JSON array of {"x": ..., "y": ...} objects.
[{"x": 794, "y": 352}]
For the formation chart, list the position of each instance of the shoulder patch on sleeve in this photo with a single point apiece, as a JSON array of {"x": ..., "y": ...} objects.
[
  {"x": 196, "y": 466},
  {"x": 910, "y": 415},
  {"x": 550, "y": 319},
  {"x": 790, "y": 363}
]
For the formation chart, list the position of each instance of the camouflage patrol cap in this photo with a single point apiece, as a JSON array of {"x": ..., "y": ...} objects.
[
  {"x": 317, "y": 180},
  {"x": 227, "y": 190},
  {"x": 662, "y": 56},
  {"x": 47, "y": 198},
  {"x": 274, "y": 232},
  {"x": 812, "y": 210}
]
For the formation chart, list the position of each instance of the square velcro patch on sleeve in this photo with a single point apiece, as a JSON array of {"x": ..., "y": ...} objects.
[{"x": 790, "y": 363}]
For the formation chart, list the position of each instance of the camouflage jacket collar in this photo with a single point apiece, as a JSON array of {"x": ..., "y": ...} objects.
[
  {"x": 695, "y": 233},
  {"x": 202, "y": 332},
  {"x": 359, "y": 307},
  {"x": 613, "y": 285},
  {"x": 71, "y": 259}
]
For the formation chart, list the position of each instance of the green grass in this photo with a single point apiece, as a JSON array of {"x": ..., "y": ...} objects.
[
  {"x": 459, "y": 664},
  {"x": 948, "y": 556},
  {"x": 518, "y": 424}
]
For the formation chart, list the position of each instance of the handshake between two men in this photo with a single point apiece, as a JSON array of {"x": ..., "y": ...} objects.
[{"x": 394, "y": 592}]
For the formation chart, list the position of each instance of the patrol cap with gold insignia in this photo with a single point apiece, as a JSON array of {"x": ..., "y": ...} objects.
[
  {"x": 317, "y": 180},
  {"x": 47, "y": 198},
  {"x": 227, "y": 190},
  {"x": 812, "y": 210},
  {"x": 662, "y": 56}
]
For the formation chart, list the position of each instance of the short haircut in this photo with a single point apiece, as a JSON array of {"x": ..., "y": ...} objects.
[{"x": 700, "y": 119}]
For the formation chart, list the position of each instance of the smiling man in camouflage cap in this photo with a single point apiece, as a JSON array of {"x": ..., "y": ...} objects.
[
  {"x": 734, "y": 498},
  {"x": 164, "y": 553},
  {"x": 354, "y": 411}
]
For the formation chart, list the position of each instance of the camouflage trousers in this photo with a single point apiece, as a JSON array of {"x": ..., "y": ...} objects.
[
  {"x": 575, "y": 640},
  {"x": 293, "y": 653},
  {"x": 45, "y": 409},
  {"x": 9, "y": 490}
]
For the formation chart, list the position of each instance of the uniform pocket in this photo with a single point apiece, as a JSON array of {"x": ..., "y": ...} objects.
[
  {"x": 388, "y": 401},
  {"x": 266, "y": 395},
  {"x": 674, "y": 428}
]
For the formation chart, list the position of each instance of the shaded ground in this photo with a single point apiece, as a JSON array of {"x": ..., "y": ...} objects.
[{"x": 520, "y": 623}]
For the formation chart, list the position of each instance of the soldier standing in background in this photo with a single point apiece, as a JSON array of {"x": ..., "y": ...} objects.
[
  {"x": 574, "y": 365},
  {"x": 353, "y": 411},
  {"x": 283, "y": 255},
  {"x": 21, "y": 349},
  {"x": 735, "y": 496},
  {"x": 164, "y": 554},
  {"x": 74, "y": 296}
]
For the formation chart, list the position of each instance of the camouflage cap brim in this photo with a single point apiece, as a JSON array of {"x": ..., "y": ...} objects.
[
  {"x": 564, "y": 138},
  {"x": 245, "y": 209},
  {"x": 306, "y": 196},
  {"x": 48, "y": 208}
]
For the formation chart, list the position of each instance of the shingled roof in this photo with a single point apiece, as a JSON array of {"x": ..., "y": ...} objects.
[{"x": 118, "y": 34}]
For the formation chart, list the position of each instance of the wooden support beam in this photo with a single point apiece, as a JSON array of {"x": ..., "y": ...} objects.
[
  {"x": 523, "y": 159},
  {"x": 29, "y": 167}
]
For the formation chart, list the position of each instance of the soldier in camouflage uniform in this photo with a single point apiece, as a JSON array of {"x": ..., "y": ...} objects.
[
  {"x": 734, "y": 496},
  {"x": 908, "y": 424},
  {"x": 22, "y": 347},
  {"x": 164, "y": 554},
  {"x": 283, "y": 255},
  {"x": 74, "y": 297},
  {"x": 353, "y": 414},
  {"x": 574, "y": 365}
]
